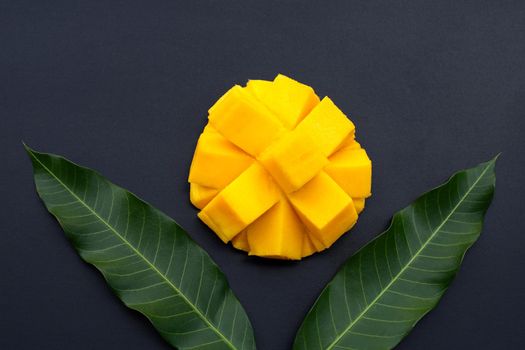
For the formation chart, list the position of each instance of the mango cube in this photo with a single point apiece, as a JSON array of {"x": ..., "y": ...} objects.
[
  {"x": 316, "y": 243},
  {"x": 352, "y": 170},
  {"x": 308, "y": 247},
  {"x": 311, "y": 245},
  {"x": 245, "y": 121},
  {"x": 277, "y": 233},
  {"x": 325, "y": 209},
  {"x": 201, "y": 195},
  {"x": 350, "y": 142},
  {"x": 259, "y": 88},
  {"x": 359, "y": 204},
  {"x": 293, "y": 160},
  {"x": 216, "y": 152},
  {"x": 328, "y": 126},
  {"x": 290, "y": 100},
  {"x": 241, "y": 241},
  {"x": 240, "y": 203}
]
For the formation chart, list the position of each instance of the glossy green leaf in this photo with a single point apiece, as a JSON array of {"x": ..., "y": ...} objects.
[
  {"x": 383, "y": 290},
  {"x": 150, "y": 263}
]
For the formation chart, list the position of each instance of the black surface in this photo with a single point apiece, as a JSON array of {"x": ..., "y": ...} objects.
[{"x": 124, "y": 86}]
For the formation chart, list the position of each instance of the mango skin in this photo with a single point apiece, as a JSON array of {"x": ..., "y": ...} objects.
[{"x": 277, "y": 171}]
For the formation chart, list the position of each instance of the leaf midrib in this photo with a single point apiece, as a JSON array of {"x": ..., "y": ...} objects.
[
  {"x": 423, "y": 246},
  {"x": 177, "y": 290}
]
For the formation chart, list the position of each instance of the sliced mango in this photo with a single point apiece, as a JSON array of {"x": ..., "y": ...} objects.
[
  {"x": 350, "y": 142},
  {"x": 201, "y": 195},
  {"x": 240, "y": 203},
  {"x": 328, "y": 126},
  {"x": 352, "y": 170},
  {"x": 278, "y": 172},
  {"x": 259, "y": 88},
  {"x": 215, "y": 152},
  {"x": 290, "y": 100},
  {"x": 317, "y": 244},
  {"x": 325, "y": 209},
  {"x": 293, "y": 160},
  {"x": 277, "y": 233},
  {"x": 245, "y": 121},
  {"x": 308, "y": 247},
  {"x": 359, "y": 204},
  {"x": 241, "y": 241}
]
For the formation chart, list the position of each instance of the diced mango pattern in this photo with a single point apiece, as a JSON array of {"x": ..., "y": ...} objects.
[{"x": 277, "y": 171}]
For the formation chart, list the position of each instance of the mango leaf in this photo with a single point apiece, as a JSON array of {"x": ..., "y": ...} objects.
[
  {"x": 148, "y": 260},
  {"x": 383, "y": 290}
]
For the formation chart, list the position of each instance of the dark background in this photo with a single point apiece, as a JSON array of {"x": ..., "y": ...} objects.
[{"x": 124, "y": 86}]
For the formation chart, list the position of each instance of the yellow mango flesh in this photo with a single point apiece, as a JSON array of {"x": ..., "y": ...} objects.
[
  {"x": 325, "y": 209},
  {"x": 214, "y": 152},
  {"x": 240, "y": 203},
  {"x": 277, "y": 233},
  {"x": 241, "y": 241},
  {"x": 359, "y": 204},
  {"x": 290, "y": 100},
  {"x": 257, "y": 127},
  {"x": 201, "y": 195},
  {"x": 308, "y": 247},
  {"x": 352, "y": 170},
  {"x": 259, "y": 88},
  {"x": 293, "y": 160},
  {"x": 328, "y": 126},
  {"x": 278, "y": 172}
]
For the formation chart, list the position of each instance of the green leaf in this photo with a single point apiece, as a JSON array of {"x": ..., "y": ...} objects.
[
  {"x": 150, "y": 263},
  {"x": 383, "y": 290}
]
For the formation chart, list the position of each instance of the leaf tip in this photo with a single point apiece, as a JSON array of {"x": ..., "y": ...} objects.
[{"x": 27, "y": 148}]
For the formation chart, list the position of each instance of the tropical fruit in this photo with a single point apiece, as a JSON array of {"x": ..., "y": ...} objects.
[{"x": 277, "y": 171}]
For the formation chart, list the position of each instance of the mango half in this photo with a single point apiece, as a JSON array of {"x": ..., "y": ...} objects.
[{"x": 277, "y": 171}]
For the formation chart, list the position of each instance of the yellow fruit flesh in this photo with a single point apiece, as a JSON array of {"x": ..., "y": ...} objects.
[
  {"x": 278, "y": 173},
  {"x": 308, "y": 247},
  {"x": 259, "y": 88},
  {"x": 277, "y": 233},
  {"x": 240, "y": 203},
  {"x": 325, "y": 209},
  {"x": 241, "y": 241},
  {"x": 328, "y": 126},
  {"x": 290, "y": 100},
  {"x": 201, "y": 195},
  {"x": 352, "y": 170},
  {"x": 216, "y": 152},
  {"x": 293, "y": 160},
  {"x": 359, "y": 204},
  {"x": 245, "y": 121}
]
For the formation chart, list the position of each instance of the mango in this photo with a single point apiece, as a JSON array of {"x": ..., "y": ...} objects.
[
  {"x": 277, "y": 233},
  {"x": 328, "y": 126},
  {"x": 201, "y": 195},
  {"x": 293, "y": 160},
  {"x": 245, "y": 121},
  {"x": 290, "y": 100},
  {"x": 352, "y": 170},
  {"x": 359, "y": 204},
  {"x": 259, "y": 88},
  {"x": 214, "y": 152},
  {"x": 325, "y": 209},
  {"x": 240, "y": 203},
  {"x": 308, "y": 247},
  {"x": 241, "y": 241},
  {"x": 278, "y": 172}
]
